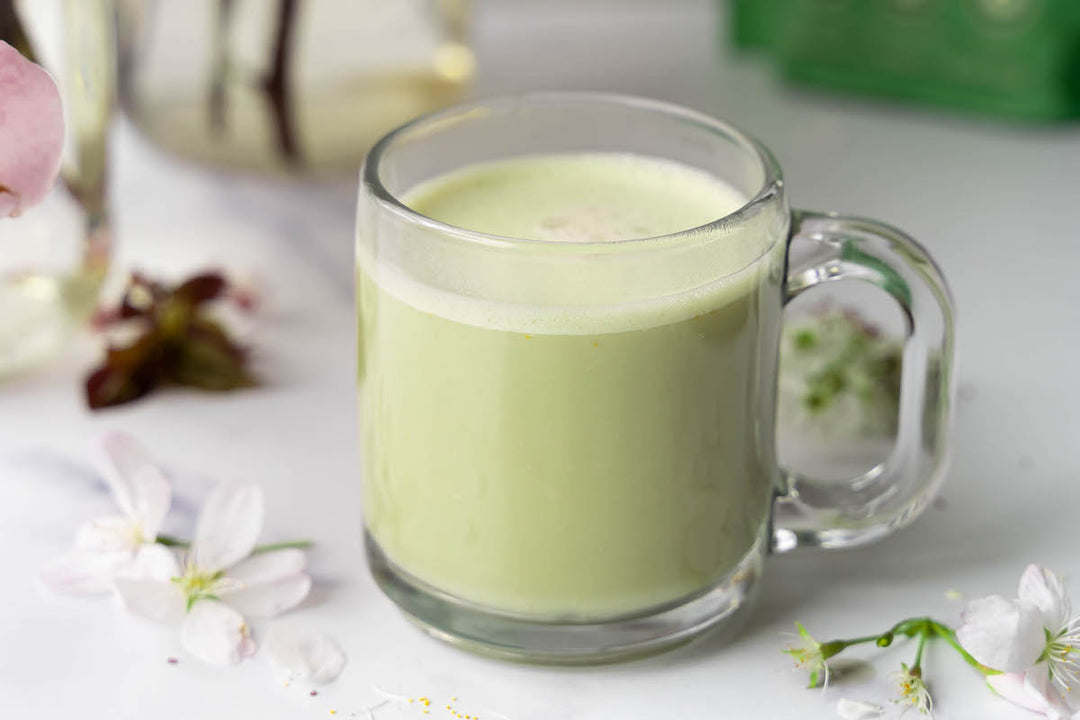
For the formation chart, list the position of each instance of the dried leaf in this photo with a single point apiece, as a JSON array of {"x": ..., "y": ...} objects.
[{"x": 176, "y": 343}]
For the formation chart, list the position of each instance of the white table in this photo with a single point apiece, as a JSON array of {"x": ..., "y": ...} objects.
[{"x": 998, "y": 206}]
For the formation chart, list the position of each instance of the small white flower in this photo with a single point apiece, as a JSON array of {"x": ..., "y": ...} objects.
[
  {"x": 1034, "y": 641},
  {"x": 913, "y": 691},
  {"x": 111, "y": 545},
  {"x": 810, "y": 655},
  {"x": 312, "y": 657},
  {"x": 219, "y": 583}
]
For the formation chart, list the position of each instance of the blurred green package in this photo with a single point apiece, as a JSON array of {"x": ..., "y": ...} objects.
[{"x": 1011, "y": 58}]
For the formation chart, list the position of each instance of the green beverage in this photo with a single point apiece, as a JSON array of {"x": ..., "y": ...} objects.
[{"x": 560, "y": 462}]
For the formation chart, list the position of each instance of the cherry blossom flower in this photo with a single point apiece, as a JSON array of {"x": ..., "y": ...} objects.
[
  {"x": 1034, "y": 641},
  {"x": 115, "y": 544},
  {"x": 220, "y": 580},
  {"x": 810, "y": 655},
  {"x": 31, "y": 132},
  {"x": 914, "y": 694}
]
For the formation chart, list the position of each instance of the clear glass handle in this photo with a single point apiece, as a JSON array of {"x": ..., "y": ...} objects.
[{"x": 831, "y": 514}]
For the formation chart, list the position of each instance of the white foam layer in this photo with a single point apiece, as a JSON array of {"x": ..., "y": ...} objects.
[{"x": 563, "y": 320}]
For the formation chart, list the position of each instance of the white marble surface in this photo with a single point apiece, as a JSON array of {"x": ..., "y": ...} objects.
[{"x": 998, "y": 206}]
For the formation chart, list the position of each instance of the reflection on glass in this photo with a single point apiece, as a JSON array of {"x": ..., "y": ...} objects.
[{"x": 287, "y": 85}]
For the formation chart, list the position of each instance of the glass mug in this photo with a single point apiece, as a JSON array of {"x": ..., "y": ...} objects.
[{"x": 568, "y": 447}]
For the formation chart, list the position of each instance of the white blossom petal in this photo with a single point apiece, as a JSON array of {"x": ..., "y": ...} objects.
[
  {"x": 269, "y": 566},
  {"x": 1002, "y": 634},
  {"x": 124, "y": 458},
  {"x": 269, "y": 598},
  {"x": 217, "y": 634},
  {"x": 228, "y": 526},
  {"x": 153, "y": 495},
  {"x": 858, "y": 710},
  {"x": 154, "y": 561},
  {"x": 153, "y": 599},
  {"x": 108, "y": 534},
  {"x": 1044, "y": 590},
  {"x": 313, "y": 657},
  {"x": 82, "y": 573}
]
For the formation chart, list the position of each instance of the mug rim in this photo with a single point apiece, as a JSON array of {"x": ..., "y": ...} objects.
[{"x": 371, "y": 182}]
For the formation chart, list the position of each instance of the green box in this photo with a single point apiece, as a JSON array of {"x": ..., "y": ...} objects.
[{"x": 1012, "y": 58}]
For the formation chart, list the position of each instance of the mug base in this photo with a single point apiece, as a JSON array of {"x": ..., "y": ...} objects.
[{"x": 495, "y": 634}]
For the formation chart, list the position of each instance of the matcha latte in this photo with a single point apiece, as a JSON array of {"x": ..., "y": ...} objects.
[{"x": 559, "y": 462}]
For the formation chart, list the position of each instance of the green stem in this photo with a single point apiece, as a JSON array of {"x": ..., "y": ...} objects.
[
  {"x": 949, "y": 635},
  {"x": 925, "y": 628},
  {"x": 916, "y": 667},
  {"x": 170, "y": 541},
  {"x": 299, "y": 544}
]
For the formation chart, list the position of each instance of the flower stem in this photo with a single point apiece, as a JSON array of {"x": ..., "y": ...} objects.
[
  {"x": 947, "y": 634},
  {"x": 299, "y": 544},
  {"x": 916, "y": 667},
  {"x": 170, "y": 541}
]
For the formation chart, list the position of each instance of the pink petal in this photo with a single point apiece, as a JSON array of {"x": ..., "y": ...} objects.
[
  {"x": 153, "y": 599},
  {"x": 217, "y": 634},
  {"x": 269, "y": 566},
  {"x": 228, "y": 526},
  {"x": 1031, "y": 690},
  {"x": 270, "y": 598},
  {"x": 108, "y": 534},
  {"x": 1002, "y": 634},
  {"x": 139, "y": 487},
  {"x": 312, "y": 657},
  {"x": 31, "y": 132},
  {"x": 1044, "y": 590},
  {"x": 82, "y": 573},
  {"x": 1011, "y": 687}
]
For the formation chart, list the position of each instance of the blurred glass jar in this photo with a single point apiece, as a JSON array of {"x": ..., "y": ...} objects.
[
  {"x": 54, "y": 256},
  {"x": 287, "y": 85}
]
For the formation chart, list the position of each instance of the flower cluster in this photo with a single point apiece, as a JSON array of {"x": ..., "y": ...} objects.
[
  {"x": 1027, "y": 648},
  {"x": 221, "y": 577}
]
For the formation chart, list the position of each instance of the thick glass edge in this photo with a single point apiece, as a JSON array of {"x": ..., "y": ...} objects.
[{"x": 371, "y": 184}]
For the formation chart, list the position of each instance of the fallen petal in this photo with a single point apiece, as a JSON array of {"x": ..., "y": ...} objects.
[
  {"x": 1044, "y": 590},
  {"x": 313, "y": 657},
  {"x": 1002, "y": 634},
  {"x": 81, "y": 573},
  {"x": 153, "y": 599},
  {"x": 270, "y": 598},
  {"x": 31, "y": 132},
  {"x": 217, "y": 634},
  {"x": 858, "y": 710},
  {"x": 269, "y": 566},
  {"x": 228, "y": 526}
]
